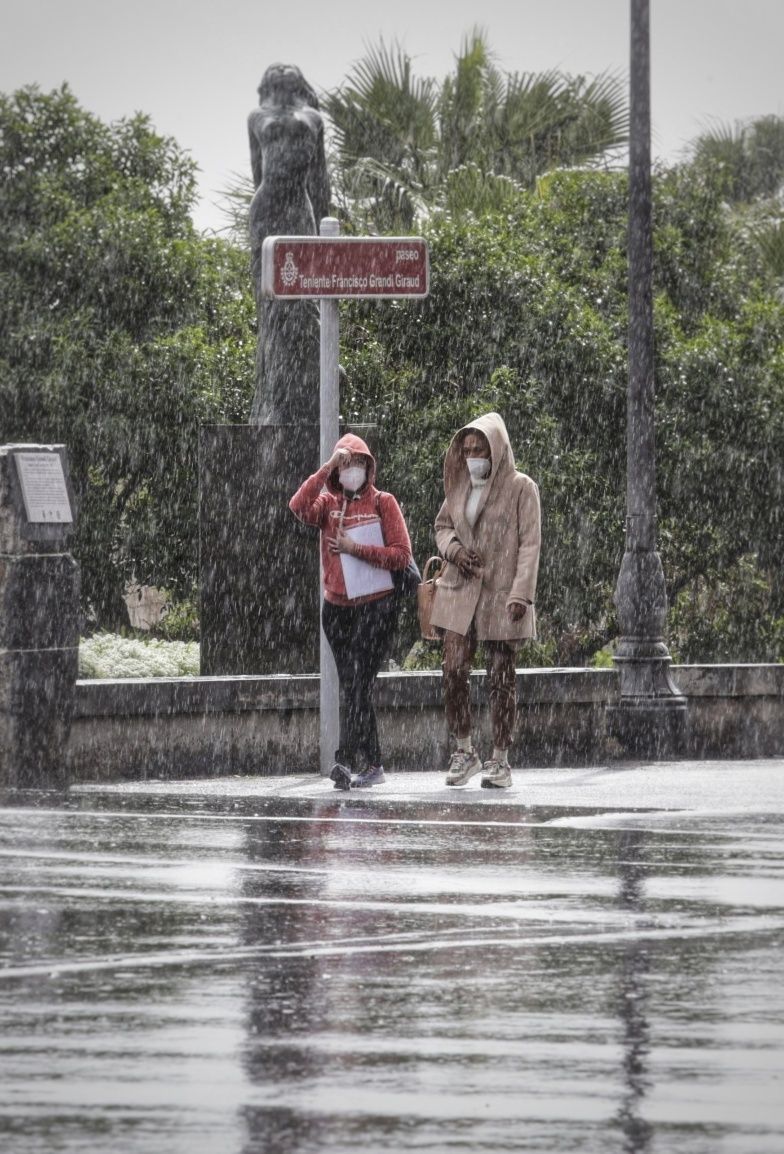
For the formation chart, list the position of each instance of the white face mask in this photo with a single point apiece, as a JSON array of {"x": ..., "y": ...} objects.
[
  {"x": 478, "y": 467},
  {"x": 353, "y": 477}
]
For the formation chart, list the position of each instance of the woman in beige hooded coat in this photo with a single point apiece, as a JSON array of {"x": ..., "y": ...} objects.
[{"x": 488, "y": 531}]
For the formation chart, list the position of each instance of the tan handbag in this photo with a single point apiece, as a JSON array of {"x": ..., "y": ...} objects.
[{"x": 426, "y": 591}]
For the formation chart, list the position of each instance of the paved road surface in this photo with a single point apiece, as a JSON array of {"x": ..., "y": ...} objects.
[{"x": 589, "y": 962}]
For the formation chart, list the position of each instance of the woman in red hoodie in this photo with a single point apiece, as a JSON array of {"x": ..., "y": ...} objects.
[{"x": 363, "y": 540}]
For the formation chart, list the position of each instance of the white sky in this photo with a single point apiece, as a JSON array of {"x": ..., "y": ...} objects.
[{"x": 194, "y": 65}]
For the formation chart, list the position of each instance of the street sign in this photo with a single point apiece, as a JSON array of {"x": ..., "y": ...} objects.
[
  {"x": 293, "y": 267},
  {"x": 328, "y": 267}
]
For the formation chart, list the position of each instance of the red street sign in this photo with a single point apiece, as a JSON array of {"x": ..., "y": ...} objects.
[{"x": 346, "y": 266}]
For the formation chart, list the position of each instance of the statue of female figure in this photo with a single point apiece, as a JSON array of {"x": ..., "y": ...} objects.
[{"x": 292, "y": 195}]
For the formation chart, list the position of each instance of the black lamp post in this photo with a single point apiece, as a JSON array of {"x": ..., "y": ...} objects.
[{"x": 650, "y": 717}]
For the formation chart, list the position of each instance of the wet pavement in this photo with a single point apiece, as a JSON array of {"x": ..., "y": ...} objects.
[{"x": 591, "y": 961}]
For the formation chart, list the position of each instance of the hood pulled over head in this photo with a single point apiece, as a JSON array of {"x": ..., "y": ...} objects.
[
  {"x": 354, "y": 444},
  {"x": 492, "y": 425}
]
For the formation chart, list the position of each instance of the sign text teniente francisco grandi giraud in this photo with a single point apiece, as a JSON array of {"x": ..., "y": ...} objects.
[{"x": 313, "y": 266}]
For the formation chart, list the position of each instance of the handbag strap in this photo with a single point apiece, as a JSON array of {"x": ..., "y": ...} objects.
[
  {"x": 381, "y": 493},
  {"x": 431, "y": 561},
  {"x": 380, "y": 511}
]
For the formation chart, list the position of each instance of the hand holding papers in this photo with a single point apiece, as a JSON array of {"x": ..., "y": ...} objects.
[{"x": 362, "y": 579}]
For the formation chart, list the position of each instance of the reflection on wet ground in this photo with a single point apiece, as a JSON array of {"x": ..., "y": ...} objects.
[{"x": 242, "y": 968}]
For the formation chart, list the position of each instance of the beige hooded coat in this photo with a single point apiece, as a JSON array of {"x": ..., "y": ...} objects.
[{"x": 506, "y": 535}]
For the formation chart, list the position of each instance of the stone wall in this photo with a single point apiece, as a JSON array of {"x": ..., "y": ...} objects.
[{"x": 178, "y": 727}]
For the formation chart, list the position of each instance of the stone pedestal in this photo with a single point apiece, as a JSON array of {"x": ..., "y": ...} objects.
[
  {"x": 258, "y": 566},
  {"x": 39, "y": 618},
  {"x": 650, "y": 719}
]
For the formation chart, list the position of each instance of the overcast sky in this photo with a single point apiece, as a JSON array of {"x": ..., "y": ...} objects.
[{"x": 194, "y": 65}]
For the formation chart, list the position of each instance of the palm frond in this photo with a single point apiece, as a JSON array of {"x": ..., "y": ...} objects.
[
  {"x": 381, "y": 197},
  {"x": 383, "y": 85},
  {"x": 394, "y": 132},
  {"x": 747, "y": 156},
  {"x": 235, "y": 198},
  {"x": 769, "y": 240},
  {"x": 470, "y": 189}
]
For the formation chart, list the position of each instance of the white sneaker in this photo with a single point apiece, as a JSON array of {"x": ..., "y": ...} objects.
[
  {"x": 496, "y": 775},
  {"x": 462, "y": 767}
]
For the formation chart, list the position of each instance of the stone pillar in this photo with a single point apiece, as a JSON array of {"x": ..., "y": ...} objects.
[
  {"x": 258, "y": 566},
  {"x": 39, "y": 616}
]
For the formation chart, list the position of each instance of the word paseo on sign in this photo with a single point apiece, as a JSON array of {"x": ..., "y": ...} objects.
[{"x": 350, "y": 266}]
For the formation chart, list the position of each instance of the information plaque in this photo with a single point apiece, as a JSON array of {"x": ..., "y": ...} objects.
[{"x": 44, "y": 489}]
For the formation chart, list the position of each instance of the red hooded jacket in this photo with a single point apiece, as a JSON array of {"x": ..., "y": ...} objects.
[{"x": 320, "y": 500}]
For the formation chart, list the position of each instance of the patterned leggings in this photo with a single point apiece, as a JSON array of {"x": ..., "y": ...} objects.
[{"x": 459, "y": 652}]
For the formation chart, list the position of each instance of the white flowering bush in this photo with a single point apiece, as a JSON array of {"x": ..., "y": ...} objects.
[{"x": 108, "y": 655}]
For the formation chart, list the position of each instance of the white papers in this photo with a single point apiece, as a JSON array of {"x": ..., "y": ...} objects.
[{"x": 362, "y": 579}]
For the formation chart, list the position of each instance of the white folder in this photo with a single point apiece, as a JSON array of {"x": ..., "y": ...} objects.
[{"x": 362, "y": 579}]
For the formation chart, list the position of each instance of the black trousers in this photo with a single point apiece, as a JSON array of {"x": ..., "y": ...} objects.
[{"x": 359, "y": 637}]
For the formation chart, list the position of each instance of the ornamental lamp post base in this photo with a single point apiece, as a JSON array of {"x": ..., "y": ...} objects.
[{"x": 651, "y": 718}]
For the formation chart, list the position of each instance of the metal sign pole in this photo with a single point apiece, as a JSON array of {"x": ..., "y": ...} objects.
[
  {"x": 329, "y": 700},
  {"x": 329, "y": 267}
]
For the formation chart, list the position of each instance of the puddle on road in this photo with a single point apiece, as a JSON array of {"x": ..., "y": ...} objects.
[{"x": 202, "y": 974}]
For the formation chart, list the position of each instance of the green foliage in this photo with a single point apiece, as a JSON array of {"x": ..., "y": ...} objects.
[
  {"x": 428, "y": 655},
  {"x": 527, "y": 316},
  {"x": 731, "y": 617},
  {"x": 602, "y": 658},
  {"x": 423, "y": 655},
  {"x": 768, "y": 237},
  {"x": 123, "y": 331},
  {"x": 181, "y": 622},
  {"x": 746, "y": 164}
]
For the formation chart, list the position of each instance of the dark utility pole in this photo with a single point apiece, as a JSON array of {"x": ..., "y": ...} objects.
[{"x": 651, "y": 714}]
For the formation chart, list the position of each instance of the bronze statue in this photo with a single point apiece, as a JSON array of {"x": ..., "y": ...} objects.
[{"x": 292, "y": 195}]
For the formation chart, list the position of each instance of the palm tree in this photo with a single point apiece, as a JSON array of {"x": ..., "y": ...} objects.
[
  {"x": 403, "y": 147},
  {"x": 384, "y": 143},
  {"x": 749, "y": 157}
]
